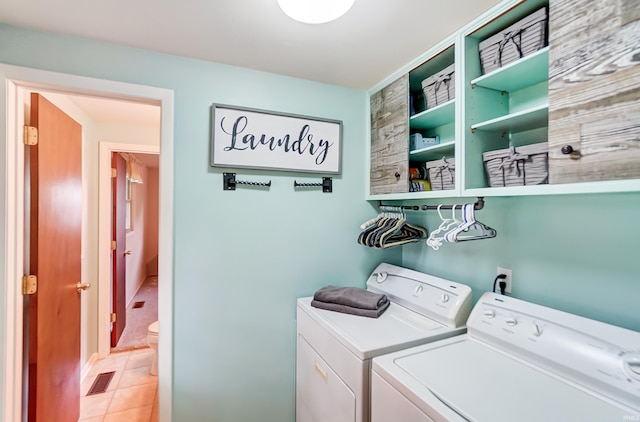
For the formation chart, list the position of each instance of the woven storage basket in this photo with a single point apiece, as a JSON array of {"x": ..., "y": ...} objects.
[
  {"x": 526, "y": 165},
  {"x": 441, "y": 173},
  {"x": 440, "y": 88},
  {"x": 524, "y": 37}
]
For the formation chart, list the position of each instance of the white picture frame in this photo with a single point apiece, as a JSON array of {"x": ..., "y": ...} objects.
[{"x": 251, "y": 138}]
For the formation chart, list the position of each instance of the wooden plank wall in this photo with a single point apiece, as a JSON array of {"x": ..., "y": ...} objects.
[
  {"x": 390, "y": 138},
  {"x": 594, "y": 90}
]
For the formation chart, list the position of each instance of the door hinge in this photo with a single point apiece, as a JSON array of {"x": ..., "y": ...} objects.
[
  {"x": 113, "y": 245},
  {"x": 112, "y": 317},
  {"x": 114, "y": 173},
  {"x": 29, "y": 284},
  {"x": 30, "y": 135}
]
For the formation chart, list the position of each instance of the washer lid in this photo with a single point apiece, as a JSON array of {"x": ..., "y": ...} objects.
[
  {"x": 397, "y": 328},
  {"x": 482, "y": 384}
]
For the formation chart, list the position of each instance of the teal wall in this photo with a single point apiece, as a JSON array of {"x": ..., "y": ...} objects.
[
  {"x": 243, "y": 257},
  {"x": 576, "y": 253}
]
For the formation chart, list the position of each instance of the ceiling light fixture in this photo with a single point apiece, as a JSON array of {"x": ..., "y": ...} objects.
[{"x": 315, "y": 11}]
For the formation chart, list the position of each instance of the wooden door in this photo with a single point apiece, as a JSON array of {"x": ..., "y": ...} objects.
[
  {"x": 594, "y": 90},
  {"x": 55, "y": 228},
  {"x": 390, "y": 138},
  {"x": 118, "y": 273}
]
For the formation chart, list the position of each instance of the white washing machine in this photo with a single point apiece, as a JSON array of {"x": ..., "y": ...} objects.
[
  {"x": 334, "y": 350},
  {"x": 517, "y": 361}
]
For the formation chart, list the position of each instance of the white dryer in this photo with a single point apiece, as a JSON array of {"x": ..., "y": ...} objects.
[
  {"x": 334, "y": 350},
  {"x": 517, "y": 361}
]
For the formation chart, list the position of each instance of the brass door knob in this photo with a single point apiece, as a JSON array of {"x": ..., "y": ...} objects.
[{"x": 82, "y": 286}]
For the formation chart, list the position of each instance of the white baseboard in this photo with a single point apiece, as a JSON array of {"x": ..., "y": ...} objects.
[{"x": 87, "y": 367}]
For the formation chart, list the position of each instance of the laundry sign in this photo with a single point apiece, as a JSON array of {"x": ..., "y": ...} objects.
[{"x": 251, "y": 138}]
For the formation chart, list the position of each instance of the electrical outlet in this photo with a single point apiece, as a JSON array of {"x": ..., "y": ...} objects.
[{"x": 508, "y": 280}]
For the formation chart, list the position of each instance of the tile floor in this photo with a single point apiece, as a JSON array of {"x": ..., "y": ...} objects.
[{"x": 132, "y": 395}]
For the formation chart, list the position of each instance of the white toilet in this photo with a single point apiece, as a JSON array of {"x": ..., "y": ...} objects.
[{"x": 152, "y": 341}]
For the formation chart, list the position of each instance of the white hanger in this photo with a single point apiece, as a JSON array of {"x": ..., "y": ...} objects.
[
  {"x": 470, "y": 223},
  {"x": 467, "y": 220},
  {"x": 446, "y": 224}
]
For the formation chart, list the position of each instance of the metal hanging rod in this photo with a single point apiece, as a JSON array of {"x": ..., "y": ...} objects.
[
  {"x": 478, "y": 205},
  {"x": 327, "y": 185},
  {"x": 230, "y": 182}
]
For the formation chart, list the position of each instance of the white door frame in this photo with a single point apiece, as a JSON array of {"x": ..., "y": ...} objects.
[{"x": 14, "y": 82}]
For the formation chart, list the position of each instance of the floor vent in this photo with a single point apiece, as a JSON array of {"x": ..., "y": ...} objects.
[
  {"x": 137, "y": 305},
  {"x": 101, "y": 383}
]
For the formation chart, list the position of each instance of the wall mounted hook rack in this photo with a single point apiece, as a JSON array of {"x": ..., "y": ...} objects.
[
  {"x": 327, "y": 185},
  {"x": 230, "y": 182}
]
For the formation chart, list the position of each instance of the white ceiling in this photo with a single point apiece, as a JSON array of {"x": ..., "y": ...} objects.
[{"x": 373, "y": 40}]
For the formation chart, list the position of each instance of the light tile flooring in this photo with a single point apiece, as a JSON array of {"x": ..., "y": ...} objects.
[{"x": 132, "y": 395}]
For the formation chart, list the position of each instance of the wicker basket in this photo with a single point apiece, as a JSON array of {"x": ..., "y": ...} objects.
[
  {"x": 517, "y": 166},
  {"x": 442, "y": 173},
  {"x": 524, "y": 37},
  {"x": 440, "y": 88}
]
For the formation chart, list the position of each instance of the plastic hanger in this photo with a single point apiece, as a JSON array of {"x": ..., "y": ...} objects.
[
  {"x": 408, "y": 233},
  {"x": 467, "y": 221},
  {"x": 400, "y": 233},
  {"x": 468, "y": 225},
  {"x": 390, "y": 228},
  {"x": 447, "y": 223}
]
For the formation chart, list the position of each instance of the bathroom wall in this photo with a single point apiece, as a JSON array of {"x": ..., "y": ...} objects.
[
  {"x": 136, "y": 264},
  {"x": 241, "y": 258},
  {"x": 151, "y": 222}
]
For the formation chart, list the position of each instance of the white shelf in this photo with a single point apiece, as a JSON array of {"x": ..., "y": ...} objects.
[
  {"x": 528, "y": 71},
  {"x": 533, "y": 118},
  {"x": 424, "y": 154},
  {"x": 434, "y": 117}
]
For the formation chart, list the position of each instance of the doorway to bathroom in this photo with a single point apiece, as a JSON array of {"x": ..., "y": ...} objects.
[
  {"x": 134, "y": 284},
  {"x": 16, "y": 82}
]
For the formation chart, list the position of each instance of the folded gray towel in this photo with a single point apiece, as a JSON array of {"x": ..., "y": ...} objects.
[
  {"x": 351, "y": 296},
  {"x": 371, "y": 313}
]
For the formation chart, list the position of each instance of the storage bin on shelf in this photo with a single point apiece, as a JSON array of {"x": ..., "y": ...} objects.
[
  {"x": 439, "y": 88},
  {"x": 524, "y": 37},
  {"x": 517, "y": 166},
  {"x": 417, "y": 141},
  {"x": 441, "y": 173}
]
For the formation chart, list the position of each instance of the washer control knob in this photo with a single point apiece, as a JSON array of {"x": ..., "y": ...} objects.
[
  {"x": 489, "y": 313},
  {"x": 444, "y": 298},
  {"x": 381, "y": 277},
  {"x": 631, "y": 362},
  {"x": 511, "y": 321},
  {"x": 536, "y": 330}
]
